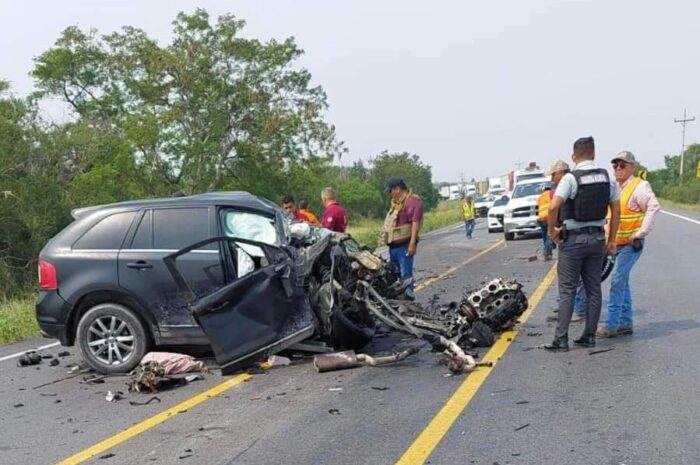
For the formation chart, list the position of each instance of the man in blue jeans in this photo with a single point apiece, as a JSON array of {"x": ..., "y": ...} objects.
[
  {"x": 638, "y": 207},
  {"x": 401, "y": 227}
]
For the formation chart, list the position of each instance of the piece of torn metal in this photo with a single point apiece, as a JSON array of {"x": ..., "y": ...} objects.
[{"x": 349, "y": 359}]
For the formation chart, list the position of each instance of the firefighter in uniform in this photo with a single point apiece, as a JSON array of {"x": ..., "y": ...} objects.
[
  {"x": 638, "y": 208},
  {"x": 583, "y": 196}
]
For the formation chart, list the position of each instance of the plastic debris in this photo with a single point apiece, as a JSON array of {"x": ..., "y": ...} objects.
[{"x": 113, "y": 396}]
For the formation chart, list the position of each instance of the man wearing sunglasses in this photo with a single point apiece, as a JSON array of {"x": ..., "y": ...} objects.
[
  {"x": 638, "y": 208},
  {"x": 581, "y": 202}
]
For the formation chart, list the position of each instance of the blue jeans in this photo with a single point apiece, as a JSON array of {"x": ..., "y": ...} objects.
[
  {"x": 547, "y": 242},
  {"x": 619, "y": 313},
  {"x": 469, "y": 226},
  {"x": 398, "y": 255}
]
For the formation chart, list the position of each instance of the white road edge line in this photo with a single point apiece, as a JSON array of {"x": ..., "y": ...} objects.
[
  {"x": 681, "y": 217},
  {"x": 19, "y": 354}
]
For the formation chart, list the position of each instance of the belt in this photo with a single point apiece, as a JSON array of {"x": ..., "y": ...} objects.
[{"x": 586, "y": 230}]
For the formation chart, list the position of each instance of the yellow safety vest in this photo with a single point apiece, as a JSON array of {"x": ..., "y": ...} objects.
[
  {"x": 630, "y": 221},
  {"x": 543, "y": 206},
  {"x": 468, "y": 211}
]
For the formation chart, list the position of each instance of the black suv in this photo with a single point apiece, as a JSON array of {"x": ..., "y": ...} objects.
[{"x": 124, "y": 277}]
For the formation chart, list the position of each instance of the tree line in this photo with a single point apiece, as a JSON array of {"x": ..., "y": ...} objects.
[
  {"x": 669, "y": 184},
  {"x": 208, "y": 111}
]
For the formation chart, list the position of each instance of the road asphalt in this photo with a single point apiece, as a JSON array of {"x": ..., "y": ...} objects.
[{"x": 636, "y": 403}]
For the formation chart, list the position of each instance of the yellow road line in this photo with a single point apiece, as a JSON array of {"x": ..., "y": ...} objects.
[
  {"x": 153, "y": 421},
  {"x": 429, "y": 282},
  {"x": 430, "y": 437}
]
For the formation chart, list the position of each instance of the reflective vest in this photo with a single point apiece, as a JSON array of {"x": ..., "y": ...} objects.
[
  {"x": 543, "y": 205},
  {"x": 630, "y": 221},
  {"x": 468, "y": 211}
]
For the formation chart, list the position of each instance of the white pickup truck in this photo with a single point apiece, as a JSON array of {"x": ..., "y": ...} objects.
[{"x": 520, "y": 216}]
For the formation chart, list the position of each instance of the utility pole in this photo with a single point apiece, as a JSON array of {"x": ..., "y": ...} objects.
[
  {"x": 683, "y": 122},
  {"x": 519, "y": 164}
]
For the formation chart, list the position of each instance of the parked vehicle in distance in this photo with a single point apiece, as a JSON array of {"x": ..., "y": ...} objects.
[
  {"x": 495, "y": 215},
  {"x": 482, "y": 204},
  {"x": 520, "y": 216}
]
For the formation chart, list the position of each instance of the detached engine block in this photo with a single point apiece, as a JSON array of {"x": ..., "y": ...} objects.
[{"x": 498, "y": 303}]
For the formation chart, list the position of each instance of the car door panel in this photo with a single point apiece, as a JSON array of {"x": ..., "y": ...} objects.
[{"x": 252, "y": 316}]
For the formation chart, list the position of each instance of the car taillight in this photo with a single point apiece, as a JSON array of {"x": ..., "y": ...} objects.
[{"x": 48, "y": 279}]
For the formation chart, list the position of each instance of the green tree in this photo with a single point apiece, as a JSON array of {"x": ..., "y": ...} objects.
[{"x": 207, "y": 110}]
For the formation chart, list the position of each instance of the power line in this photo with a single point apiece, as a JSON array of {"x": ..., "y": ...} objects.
[{"x": 683, "y": 122}]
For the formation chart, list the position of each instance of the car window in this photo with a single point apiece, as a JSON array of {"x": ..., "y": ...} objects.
[
  {"x": 143, "y": 239},
  {"x": 526, "y": 190},
  {"x": 106, "y": 234},
  {"x": 500, "y": 202},
  {"x": 250, "y": 226},
  {"x": 176, "y": 228}
]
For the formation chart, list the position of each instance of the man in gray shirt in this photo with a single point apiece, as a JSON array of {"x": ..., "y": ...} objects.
[{"x": 580, "y": 203}]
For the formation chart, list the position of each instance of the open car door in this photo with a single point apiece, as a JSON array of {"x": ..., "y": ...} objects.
[{"x": 261, "y": 309}]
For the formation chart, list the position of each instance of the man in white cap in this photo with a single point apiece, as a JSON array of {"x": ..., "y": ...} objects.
[{"x": 638, "y": 208}]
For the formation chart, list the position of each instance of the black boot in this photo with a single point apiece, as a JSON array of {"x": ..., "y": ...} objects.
[
  {"x": 559, "y": 344},
  {"x": 586, "y": 341}
]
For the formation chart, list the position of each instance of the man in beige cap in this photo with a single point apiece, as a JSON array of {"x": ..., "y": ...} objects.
[{"x": 638, "y": 208}]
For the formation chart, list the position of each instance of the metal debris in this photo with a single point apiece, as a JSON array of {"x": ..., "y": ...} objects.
[
  {"x": 522, "y": 427},
  {"x": 601, "y": 351},
  {"x": 349, "y": 359},
  {"x": 152, "y": 399}
]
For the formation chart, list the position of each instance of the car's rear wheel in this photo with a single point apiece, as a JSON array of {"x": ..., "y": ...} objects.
[
  {"x": 111, "y": 338},
  {"x": 509, "y": 236}
]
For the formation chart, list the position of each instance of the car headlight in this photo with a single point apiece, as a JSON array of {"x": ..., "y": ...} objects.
[{"x": 508, "y": 214}]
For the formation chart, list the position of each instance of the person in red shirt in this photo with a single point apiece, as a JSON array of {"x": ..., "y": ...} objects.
[
  {"x": 401, "y": 228},
  {"x": 334, "y": 217}
]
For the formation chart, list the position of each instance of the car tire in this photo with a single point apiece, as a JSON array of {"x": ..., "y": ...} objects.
[
  {"x": 492, "y": 230},
  {"x": 509, "y": 236},
  {"x": 111, "y": 338}
]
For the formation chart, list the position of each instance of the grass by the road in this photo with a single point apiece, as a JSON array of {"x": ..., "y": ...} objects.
[
  {"x": 17, "y": 320},
  {"x": 680, "y": 206},
  {"x": 446, "y": 213}
]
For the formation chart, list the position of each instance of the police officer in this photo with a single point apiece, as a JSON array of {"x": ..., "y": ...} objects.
[{"x": 581, "y": 201}]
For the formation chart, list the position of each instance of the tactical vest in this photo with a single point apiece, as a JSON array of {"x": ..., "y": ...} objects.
[{"x": 592, "y": 196}]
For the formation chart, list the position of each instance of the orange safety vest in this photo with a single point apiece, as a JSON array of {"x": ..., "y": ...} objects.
[
  {"x": 543, "y": 206},
  {"x": 630, "y": 221}
]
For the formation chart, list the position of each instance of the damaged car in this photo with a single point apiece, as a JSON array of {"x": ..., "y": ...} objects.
[{"x": 229, "y": 270}]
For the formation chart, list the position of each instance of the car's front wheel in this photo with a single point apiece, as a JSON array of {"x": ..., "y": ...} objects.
[
  {"x": 111, "y": 338},
  {"x": 509, "y": 236}
]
